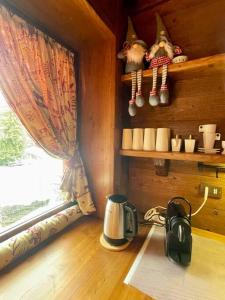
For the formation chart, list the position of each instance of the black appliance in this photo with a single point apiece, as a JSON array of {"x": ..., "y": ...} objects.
[{"x": 178, "y": 241}]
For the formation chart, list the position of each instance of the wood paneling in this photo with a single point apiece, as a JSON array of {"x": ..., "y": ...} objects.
[
  {"x": 107, "y": 10},
  {"x": 148, "y": 190},
  {"x": 114, "y": 14},
  {"x": 75, "y": 266},
  {"x": 197, "y": 26},
  {"x": 77, "y": 24},
  {"x": 194, "y": 102},
  {"x": 97, "y": 130}
]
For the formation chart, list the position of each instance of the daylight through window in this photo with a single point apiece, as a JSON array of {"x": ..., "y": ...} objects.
[{"x": 29, "y": 177}]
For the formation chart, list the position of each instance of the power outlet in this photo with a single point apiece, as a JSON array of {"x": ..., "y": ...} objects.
[{"x": 214, "y": 191}]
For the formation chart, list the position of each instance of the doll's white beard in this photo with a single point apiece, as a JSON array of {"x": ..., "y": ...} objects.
[
  {"x": 135, "y": 54},
  {"x": 168, "y": 48}
]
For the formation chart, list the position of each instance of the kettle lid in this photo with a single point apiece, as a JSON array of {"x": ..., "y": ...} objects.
[{"x": 117, "y": 198}]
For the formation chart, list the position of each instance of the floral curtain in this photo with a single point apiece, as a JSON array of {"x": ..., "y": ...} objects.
[{"x": 37, "y": 78}]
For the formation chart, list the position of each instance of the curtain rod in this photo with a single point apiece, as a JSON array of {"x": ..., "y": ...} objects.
[{"x": 37, "y": 25}]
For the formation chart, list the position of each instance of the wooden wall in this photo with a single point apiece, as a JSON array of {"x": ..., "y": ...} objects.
[
  {"x": 196, "y": 26},
  {"x": 199, "y": 28},
  {"x": 113, "y": 14}
]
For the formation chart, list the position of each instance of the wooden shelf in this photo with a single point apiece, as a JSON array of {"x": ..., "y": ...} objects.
[
  {"x": 191, "y": 69},
  {"x": 199, "y": 157}
]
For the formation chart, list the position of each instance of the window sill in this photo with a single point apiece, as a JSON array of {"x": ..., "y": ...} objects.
[{"x": 8, "y": 233}]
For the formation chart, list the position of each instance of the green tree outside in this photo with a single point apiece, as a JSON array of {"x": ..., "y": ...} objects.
[{"x": 12, "y": 139}]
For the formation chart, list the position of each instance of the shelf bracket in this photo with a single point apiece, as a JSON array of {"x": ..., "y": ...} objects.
[
  {"x": 161, "y": 166},
  {"x": 214, "y": 167}
]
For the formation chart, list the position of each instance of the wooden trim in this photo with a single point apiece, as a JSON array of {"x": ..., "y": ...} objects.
[
  {"x": 24, "y": 225},
  {"x": 199, "y": 157},
  {"x": 37, "y": 25}
]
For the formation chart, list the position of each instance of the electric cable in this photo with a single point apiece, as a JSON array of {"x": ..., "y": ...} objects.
[
  {"x": 160, "y": 213},
  {"x": 203, "y": 203}
]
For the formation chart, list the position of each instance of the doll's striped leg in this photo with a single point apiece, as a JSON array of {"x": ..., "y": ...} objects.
[
  {"x": 134, "y": 82},
  {"x": 154, "y": 82},
  {"x": 139, "y": 98},
  {"x": 131, "y": 108},
  {"x": 154, "y": 98},
  {"x": 164, "y": 93},
  {"x": 164, "y": 76}
]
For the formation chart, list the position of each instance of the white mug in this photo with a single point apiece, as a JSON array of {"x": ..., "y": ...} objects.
[
  {"x": 137, "y": 139},
  {"x": 127, "y": 139},
  {"x": 209, "y": 139},
  {"x": 207, "y": 128},
  {"x": 149, "y": 139},
  {"x": 162, "y": 139}
]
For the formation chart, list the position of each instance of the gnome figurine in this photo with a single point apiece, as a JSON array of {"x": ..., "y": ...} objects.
[
  {"x": 161, "y": 54},
  {"x": 133, "y": 52}
]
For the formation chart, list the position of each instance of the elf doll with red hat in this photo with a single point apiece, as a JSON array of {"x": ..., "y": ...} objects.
[
  {"x": 133, "y": 52},
  {"x": 161, "y": 54}
]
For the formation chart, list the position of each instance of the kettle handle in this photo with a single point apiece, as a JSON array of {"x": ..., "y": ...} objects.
[{"x": 131, "y": 223}]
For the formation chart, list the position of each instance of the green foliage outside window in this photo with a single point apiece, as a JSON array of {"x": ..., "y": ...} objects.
[{"x": 12, "y": 139}]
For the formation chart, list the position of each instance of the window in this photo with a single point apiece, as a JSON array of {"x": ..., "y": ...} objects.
[{"x": 29, "y": 177}]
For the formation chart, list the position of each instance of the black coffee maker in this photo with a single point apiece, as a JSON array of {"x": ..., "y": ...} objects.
[{"x": 178, "y": 241}]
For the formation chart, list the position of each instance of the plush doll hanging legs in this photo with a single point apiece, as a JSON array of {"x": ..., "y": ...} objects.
[
  {"x": 132, "y": 108},
  {"x": 163, "y": 97},
  {"x": 136, "y": 85},
  {"x": 139, "y": 98},
  {"x": 164, "y": 93},
  {"x": 154, "y": 98}
]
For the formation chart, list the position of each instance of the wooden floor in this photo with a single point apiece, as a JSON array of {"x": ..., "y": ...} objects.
[{"x": 73, "y": 266}]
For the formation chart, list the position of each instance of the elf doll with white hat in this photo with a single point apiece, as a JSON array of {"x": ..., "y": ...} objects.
[
  {"x": 161, "y": 54},
  {"x": 134, "y": 51}
]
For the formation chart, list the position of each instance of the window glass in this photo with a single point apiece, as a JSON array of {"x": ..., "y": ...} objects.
[{"x": 29, "y": 177}]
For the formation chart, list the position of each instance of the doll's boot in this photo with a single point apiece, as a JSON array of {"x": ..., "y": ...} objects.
[
  {"x": 132, "y": 108},
  {"x": 139, "y": 100},
  {"x": 153, "y": 98},
  {"x": 164, "y": 95}
]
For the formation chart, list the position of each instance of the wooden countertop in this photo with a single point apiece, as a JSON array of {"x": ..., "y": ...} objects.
[{"x": 75, "y": 266}]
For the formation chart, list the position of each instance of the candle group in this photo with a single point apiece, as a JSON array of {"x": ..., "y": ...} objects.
[{"x": 148, "y": 139}]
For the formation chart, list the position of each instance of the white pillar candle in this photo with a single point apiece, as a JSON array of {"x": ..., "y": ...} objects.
[
  {"x": 127, "y": 139},
  {"x": 162, "y": 139},
  {"x": 137, "y": 139},
  {"x": 149, "y": 139}
]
